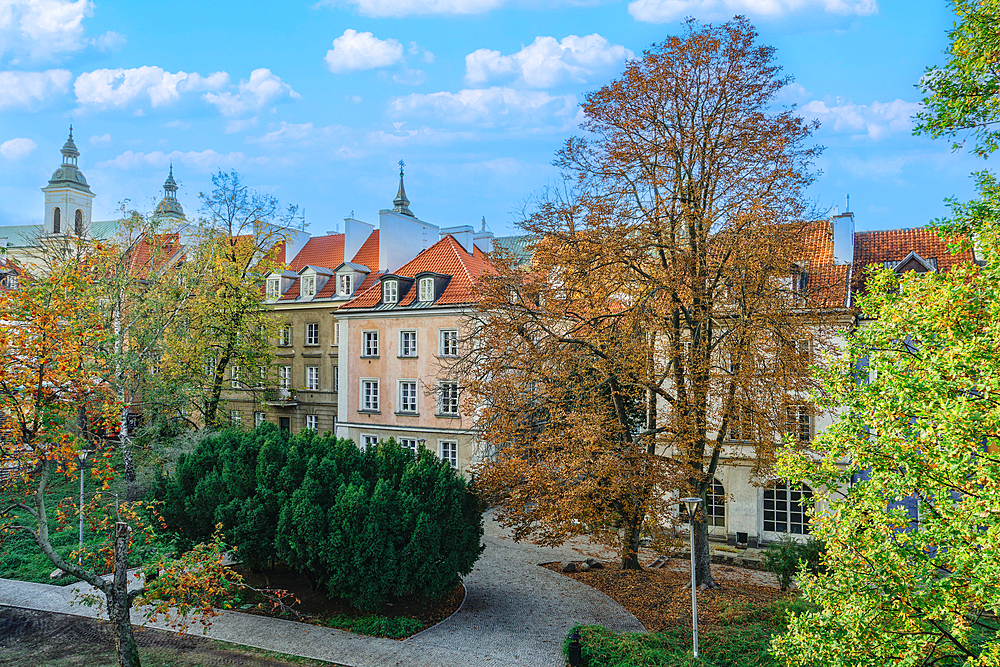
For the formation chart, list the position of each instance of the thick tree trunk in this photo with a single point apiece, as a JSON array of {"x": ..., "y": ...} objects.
[
  {"x": 119, "y": 604},
  {"x": 702, "y": 556},
  {"x": 630, "y": 548}
]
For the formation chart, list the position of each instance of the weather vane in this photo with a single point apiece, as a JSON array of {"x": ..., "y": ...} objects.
[{"x": 401, "y": 165}]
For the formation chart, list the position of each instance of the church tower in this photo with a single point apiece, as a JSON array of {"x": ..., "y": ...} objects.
[
  {"x": 68, "y": 199},
  {"x": 169, "y": 208}
]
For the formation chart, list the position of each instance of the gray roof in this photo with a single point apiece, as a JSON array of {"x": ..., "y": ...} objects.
[
  {"x": 517, "y": 246},
  {"x": 24, "y": 236}
]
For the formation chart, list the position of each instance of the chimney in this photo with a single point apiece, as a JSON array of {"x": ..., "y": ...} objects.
[
  {"x": 842, "y": 228},
  {"x": 462, "y": 234},
  {"x": 355, "y": 235}
]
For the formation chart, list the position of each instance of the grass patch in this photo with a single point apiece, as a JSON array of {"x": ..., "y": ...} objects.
[
  {"x": 397, "y": 627},
  {"x": 739, "y": 638}
]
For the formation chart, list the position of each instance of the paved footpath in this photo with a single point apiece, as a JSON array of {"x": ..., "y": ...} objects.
[{"x": 515, "y": 613}]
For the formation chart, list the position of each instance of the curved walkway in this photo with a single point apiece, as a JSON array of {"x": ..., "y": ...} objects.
[{"x": 515, "y": 613}]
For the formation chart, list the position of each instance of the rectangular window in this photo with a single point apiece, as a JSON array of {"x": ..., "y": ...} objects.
[
  {"x": 407, "y": 395},
  {"x": 308, "y": 285},
  {"x": 336, "y": 333},
  {"x": 284, "y": 377},
  {"x": 273, "y": 290},
  {"x": 408, "y": 443},
  {"x": 799, "y": 422},
  {"x": 345, "y": 285},
  {"x": 407, "y": 343},
  {"x": 285, "y": 335},
  {"x": 448, "y": 450},
  {"x": 312, "y": 333},
  {"x": 261, "y": 376},
  {"x": 312, "y": 377},
  {"x": 740, "y": 426},
  {"x": 390, "y": 291},
  {"x": 448, "y": 398},
  {"x": 370, "y": 348},
  {"x": 336, "y": 378},
  {"x": 312, "y": 422},
  {"x": 369, "y": 395},
  {"x": 235, "y": 417},
  {"x": 258, "y": 418},
  {"x": 426, "y": 289},
  {"x": 209, "y": 366},
  {"x": 368, "y": 440},
  {"x": 234, "y": 377},
  {"x": 449, "y": 343}
]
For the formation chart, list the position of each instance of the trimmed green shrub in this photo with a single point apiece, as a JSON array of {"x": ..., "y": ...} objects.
[
  {"x": 365, "y": 525},
  {"x": 785, "y": 558}
]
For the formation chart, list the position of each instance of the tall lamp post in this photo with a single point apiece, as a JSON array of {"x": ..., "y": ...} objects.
[
  {"x": 692, "y": 508},
  {"x": 82, "y": 455}
]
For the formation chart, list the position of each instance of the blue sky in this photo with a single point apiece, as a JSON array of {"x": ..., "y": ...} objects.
[{"x": 316, "y": 102}]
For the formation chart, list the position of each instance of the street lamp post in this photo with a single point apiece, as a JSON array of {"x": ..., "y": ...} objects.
[
  {"x": 82, "y": 455},
  {"x": 692, "y": 507}
]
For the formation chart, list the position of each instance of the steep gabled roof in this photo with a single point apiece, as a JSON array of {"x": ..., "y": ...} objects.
[
  {"x": 827, "y": 282},
  {"x": 326, "y": 251},
  {"x": 446, "y": 257},
  {"x": 368, "y": 253},
  {"x": 888, "y": 247},
  {"x": 154, "y": 252}
]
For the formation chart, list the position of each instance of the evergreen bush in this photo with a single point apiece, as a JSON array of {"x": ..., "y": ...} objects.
[{"x": 785, "y": 558}]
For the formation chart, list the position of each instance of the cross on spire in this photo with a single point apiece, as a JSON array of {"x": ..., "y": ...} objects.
[{"x": 402, "y": 204}]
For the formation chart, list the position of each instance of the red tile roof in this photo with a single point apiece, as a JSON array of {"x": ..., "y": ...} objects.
[
  {"x": 293, "y": 292},
  {"x": 151, "y": 253},
  {"x": 893, "y": 245},
  {"x": 826, "y": 283},
  {"x": 368, "y": 253},
  {"x": 325, "y": 251},
  {"x": 446, "y": 257}
]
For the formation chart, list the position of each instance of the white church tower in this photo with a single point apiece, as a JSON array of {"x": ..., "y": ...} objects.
[{"x": 68, "y": 199}]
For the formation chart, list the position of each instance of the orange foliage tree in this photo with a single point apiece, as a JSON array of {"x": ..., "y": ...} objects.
[{"x": 664, "y": 304}]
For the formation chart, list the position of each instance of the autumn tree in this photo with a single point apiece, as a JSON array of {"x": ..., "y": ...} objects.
[
  {"x": 672, "y": 277},
  {"x": 53, "y": 404},
  {"x": 238, "y": 242}
]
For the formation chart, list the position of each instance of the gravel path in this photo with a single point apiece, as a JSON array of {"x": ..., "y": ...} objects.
[{"x": 515, "y": 613}]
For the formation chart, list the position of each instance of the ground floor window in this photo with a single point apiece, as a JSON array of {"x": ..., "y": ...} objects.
[
  {"x": 448, "y": 450},
  {"x": 408, "y": 443},
  {"x": 715, "y": 507},
  {"x": 258, "y": 418},
  {"x": 784, "y": 511},
  {"x": 312, "y": 421},
  {"x": 235, "y": 417},
  {"x": 368, "y": 440}
]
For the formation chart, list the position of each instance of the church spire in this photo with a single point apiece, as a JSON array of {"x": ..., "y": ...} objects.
[
  {"x": 169, "y": 207},
  {"x": 402, "y": 204}
]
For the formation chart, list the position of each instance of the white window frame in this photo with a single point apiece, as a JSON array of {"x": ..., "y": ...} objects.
[
  {"x": 408, "y": 351},
  {"x": 308, "y": 285},
  {"x": 369, "y": 344},
  {"x": 12, "y": 281},
  {"x": 235, "y": 417},
  {"x": 284, "y": 377},
  {"x": 234, "y": 377},
  {"x": 426, "y": 287},
  {"x": 312, "y": 333},
  {"x": 285, "y": 335},
  {"x": 448, "y": 398},
  {"x": 336, "y": 379},
  {"x": 799, "y": 422},
  {"x": 312, "y": 422},
  {"x": 368, "y": 399},
  {"x": 312, "y": 378},
  {"x": 448, "y": 342},
  {"x": 368, "y": 440},
  {"x": 261, "y": 377},
  {"x": 407, "y": 401},
  {"x": 259, "y": 418},
  {"x": 345, "y": 286},
  {"x": 273, "y": 288},
  {"x": 448, "y": 451},
  {"x": 409, "y": 443},
  {"x": 390, "y": 291}
]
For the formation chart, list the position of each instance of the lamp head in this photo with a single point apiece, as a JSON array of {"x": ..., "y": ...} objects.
[
  {"x": 692, "y": 505},
  {"x": 82, "y": 455}
]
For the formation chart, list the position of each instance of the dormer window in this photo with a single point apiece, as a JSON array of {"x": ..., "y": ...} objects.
[
  {"x": 390, "y": 291},
  {"x": 426, "y": 289},
  {"x": 309, "y": 286},
  {"x": 273, "y": 288},
  {"x": 345, "y": 285}
]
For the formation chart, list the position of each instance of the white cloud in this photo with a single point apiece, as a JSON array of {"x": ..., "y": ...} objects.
[
  {"x": 383, "y": 8},
  {"x": 302, "y": 134},
  {"x": 119, "y": 87},
  {"x": 206, "y": 160},
  {"x": 15, "y": 148},
  {"x": 241, "y": 125},
  {"x": 547, "y": 62},
  {"x": 262, "y": 89},
  {"x": 109, "y": 41},
  {"x": 23, "y": 89},
  {"x": 490, "y": 107},
  {"x": 43, "y": 28},
  {"x": 362, "y": 50},
  {"x": 179, "y": 124},
  {"x": 664, "y": 11},
  {"x": 410, "y": 77},
  {"x": 102, "y": 139},
  {"x": 876, "y": 120}
]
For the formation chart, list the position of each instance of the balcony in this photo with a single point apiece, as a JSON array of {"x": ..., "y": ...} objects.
[{"x": 281, "y": 397}]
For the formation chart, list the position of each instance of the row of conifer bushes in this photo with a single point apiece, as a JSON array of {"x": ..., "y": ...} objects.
[{"x": 366, "y": 525}]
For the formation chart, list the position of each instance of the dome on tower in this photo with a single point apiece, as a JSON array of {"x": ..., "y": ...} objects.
[
  {"x": 169, "y": 207},
  {"x": 68, "y": 174}
]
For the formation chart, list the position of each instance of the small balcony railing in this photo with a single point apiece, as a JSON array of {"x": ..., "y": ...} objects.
[{"x": 279, "y": 395}]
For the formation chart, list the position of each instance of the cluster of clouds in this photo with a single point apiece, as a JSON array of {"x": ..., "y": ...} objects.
[
  {"x": 876, "y": 120},
  {"x": 49, "y": 29}
]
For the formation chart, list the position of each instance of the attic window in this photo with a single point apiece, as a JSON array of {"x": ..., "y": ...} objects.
[
  {"x": 308, "y": 285},
  {"x": 426, "y": 289},
  {"x": 390, "y": 291},
  {"x": 273, "y": 291},
  {"x": 345, "y": 285}
]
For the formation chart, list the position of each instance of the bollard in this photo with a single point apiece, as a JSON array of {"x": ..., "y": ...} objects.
[{"x": 574, "y": 649}]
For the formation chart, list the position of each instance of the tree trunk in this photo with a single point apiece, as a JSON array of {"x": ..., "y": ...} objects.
[
  {"x": 125, "y": 439},
  {"x": 702, "y": 555},
  {"x": 630, "y": 548},
  {"x": 119, "y": 603}
]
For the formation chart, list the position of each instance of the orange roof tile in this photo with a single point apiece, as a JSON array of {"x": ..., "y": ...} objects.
[
  {"x": 293, "y": 292},
  {"x": 446, "y": 257},
  {"x": 368, "y": 253},
  {"x": 152, "y": 253},
  {"x": 325, "y": 251},
  {"x": 893, "y": 245}
]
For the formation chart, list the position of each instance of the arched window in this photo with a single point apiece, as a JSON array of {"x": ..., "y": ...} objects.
[
  {"x": 715, "y": 507},
  {"x": 56, "y": 219},
  {"x": 783, "y": 508},
  {"x": 78, "y": 223}
]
